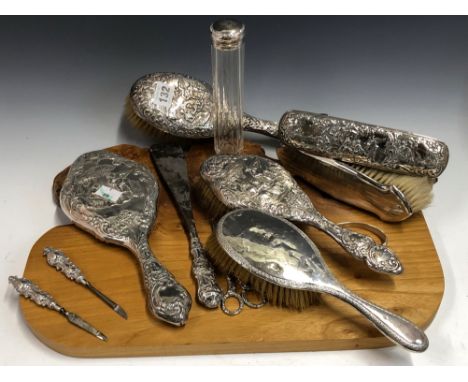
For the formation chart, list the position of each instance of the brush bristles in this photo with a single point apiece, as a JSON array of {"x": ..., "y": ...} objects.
[
  {"x": 275, "y": 294},
  {"x": 417, "y": 190},
  {"x": 150, "y": 130},
  {"x": 207, "y": 200}
]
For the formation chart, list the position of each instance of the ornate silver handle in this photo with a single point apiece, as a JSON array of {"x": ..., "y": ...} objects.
[
  {"x": 377, "y": 257},
  {"x": 368, "y": 227},
  {"x": 260, "y": 126},
  {"x": 167, "y": 299},
  {"x": 172, "y": 167},
  {"x": 28, "y": 289},
  {"x": 393, "y": 326},
  {"x": 62, "y": 263},
  {"x": 58, "y": 260},
  {"x": 208, "y": 291}
]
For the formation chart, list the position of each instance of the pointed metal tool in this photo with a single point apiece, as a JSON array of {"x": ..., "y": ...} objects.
[
  {"x": 57, "y": 259},
  {"x": 28, "y": 289},
  {"x": 170, "y": 162}
]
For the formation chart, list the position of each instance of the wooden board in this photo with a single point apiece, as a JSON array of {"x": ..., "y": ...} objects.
[{"x": 416, "y": 294}]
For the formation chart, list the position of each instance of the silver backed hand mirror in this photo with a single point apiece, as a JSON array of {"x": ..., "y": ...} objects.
[
  {"x": 115, "y": 199},
  {"x": 276, "y": 251},
  {"x": 250, "y": 181}
]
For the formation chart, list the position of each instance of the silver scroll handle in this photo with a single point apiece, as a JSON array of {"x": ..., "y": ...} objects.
[
  {"x": 260, "y": 126},
  {"x": 368, "y": 227},
  {"x": 208, "y": 291},
  {"x": 167, "y": 299},
  {"x": 171, "y": 164},
  {"x": 377, "y": 257},
  {"x": 29, "y": 290},
  {"x": 57, "y": 259},
  {"x": 394, "y": 327}
]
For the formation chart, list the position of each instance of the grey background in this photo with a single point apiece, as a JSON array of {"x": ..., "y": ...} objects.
[{"x": 63, "y": 81}]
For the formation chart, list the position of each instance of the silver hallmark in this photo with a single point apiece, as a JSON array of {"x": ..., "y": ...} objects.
[{"x": 57, "y": 259}]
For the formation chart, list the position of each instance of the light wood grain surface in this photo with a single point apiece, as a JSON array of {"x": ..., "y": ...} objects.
[{"x": 331, "y": 325}]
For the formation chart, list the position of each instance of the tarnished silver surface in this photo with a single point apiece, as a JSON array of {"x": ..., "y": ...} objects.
[
  {"x": 278, "y": 252},
  {"x": 368, "y": 227},
  {"x": 172, "y": 167},
  {"x": 58, "y": 260},
  {"x": 188, "y": 113},
  {"x": 345, "y": 183},
  {"x": 365, "y": 144},
  {"x": 29, "y": 290},
  {"x": 115, "y": 199},
  {"x": 250, "y": 181}
]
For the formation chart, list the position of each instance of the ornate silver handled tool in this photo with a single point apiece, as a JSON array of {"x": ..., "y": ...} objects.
[
  {"x": 115, "y": 199},
  {"x": 172, "y": 167},
  {"x": 187, "y": 112},
  {"x": 250, "y": 181},
  {"x": 240, "y": 297},
  {"x": 279, "y": 255},
  {"x": 58, "y": 260},
  {"x": 29, "y": 290}
]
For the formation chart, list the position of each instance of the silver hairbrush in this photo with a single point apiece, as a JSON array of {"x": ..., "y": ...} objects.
[{"x": 180, "y": 106}]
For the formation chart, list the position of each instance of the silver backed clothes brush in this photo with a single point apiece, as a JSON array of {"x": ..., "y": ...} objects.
[
  {"x": 171, "y": 164},
  {"x": 29, "y": 290},
  {"x": 278, "y": 259},
  {"x": 115, "y": 199},
  {"x": 250, "y": 181},
  {"x": 178, "y": 105},
  {"x": 392, "y": 197},
  {"x": 57, "y": 259}
]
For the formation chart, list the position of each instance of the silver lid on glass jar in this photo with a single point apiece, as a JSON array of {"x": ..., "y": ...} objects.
[{"x": 227, "y": 34}]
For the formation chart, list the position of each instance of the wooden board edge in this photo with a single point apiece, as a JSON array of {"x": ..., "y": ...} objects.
[
  {"x": 225, "y": 348},
  {"x": 218, "y": 348}
]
